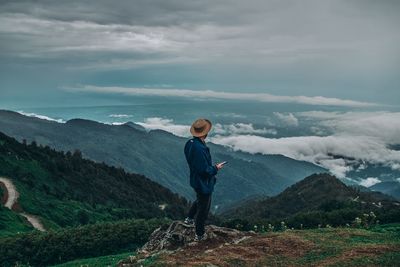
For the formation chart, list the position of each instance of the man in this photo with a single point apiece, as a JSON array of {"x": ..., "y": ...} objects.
[{"x": 202, "y": 175}]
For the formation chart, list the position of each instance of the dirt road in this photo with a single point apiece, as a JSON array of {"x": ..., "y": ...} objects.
[
  {"x": 12, "y": 197},
  {"x": 11, "y": 191}
]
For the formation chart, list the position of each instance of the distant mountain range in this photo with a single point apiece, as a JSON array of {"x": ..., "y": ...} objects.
[
  {"x": 158, "y": 154},
  {"x": 317, "y": 198},
  {"x": 391, "y": 188},
  {"x": 386, "y": 178}
]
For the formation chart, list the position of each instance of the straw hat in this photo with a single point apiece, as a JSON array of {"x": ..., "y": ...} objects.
[{"x": 200, "y": 127}]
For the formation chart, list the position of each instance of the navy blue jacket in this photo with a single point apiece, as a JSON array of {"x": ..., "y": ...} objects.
[{"x": 202, "y": 172}]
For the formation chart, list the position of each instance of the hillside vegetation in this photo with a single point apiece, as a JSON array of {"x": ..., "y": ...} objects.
[
  {"x": 320, "y": 199},
  {"x": 53, "y": 247},
  {"x": 12, "y": 223},
  {"x": 64, "y": 189}
]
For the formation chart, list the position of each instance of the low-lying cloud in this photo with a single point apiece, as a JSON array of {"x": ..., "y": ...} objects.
[
  {"x": 348, "y": 138},
  {"x": 288, "y": 119},
  {"x": 321, "y": 150},
  {"x": 241, "y": 128},
  {"x": 221, "y": 129},
  {"x": 370, "y": 181},
  {"x": 43, "y": 117},
  {"x": 166, "y": 125},
  {"x": 382, "y": 124}
]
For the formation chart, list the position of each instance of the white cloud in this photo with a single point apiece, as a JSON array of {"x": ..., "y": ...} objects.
[
  {"x": 338, "y": 167},
  {"x": 120, "y": 116},
  {"x": 396, "y": 167},
  {"x": 289, "y": 119},
  {"x": 317, "y": 130},
  {"x": 43, "y": 117},
  {"x": 381, "y": 124},
  {"x": 370, "y": 181},
  {"x": 361, "y": 167},
  {"x": 230, "y": 115},
  {"x": 184, "y": 130},
  {"x": 241, "y": 128},
  {"x": 319, "y": 150},
  {"x": 166, "y": 125},
  {"x": 262, "y": 97}
]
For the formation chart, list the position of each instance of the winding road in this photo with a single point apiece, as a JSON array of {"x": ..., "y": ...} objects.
[{"x": 12, "y": 197}]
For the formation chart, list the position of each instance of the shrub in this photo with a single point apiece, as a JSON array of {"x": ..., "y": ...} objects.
[{"x": 53, "y": 247}]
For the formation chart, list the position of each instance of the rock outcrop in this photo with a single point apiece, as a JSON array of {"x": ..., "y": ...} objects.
[{"x": 178, "y": 236}]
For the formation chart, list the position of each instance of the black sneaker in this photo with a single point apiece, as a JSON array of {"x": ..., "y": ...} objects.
[
  {"x": 199, "y": 238},
  {"x": 189, "y": 221}
]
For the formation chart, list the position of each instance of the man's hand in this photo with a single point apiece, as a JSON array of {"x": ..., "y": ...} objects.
[{"x": 219, "y": 165}]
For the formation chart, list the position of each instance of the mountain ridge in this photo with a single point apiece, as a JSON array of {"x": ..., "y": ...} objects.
[{"x": 159, "y": 155}]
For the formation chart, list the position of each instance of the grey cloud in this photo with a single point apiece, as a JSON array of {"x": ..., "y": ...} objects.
[
  {"x": 284, "y": 29},
  {"x": 315, "y": 46},
  {"x": 140, "y": 12},
  {"x": 199, "y": 94}
]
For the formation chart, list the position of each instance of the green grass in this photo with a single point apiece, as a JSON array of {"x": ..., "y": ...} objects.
[
  {"x": 151, "y": 261},
  {"x": 11, "y": 223},
  {"x": 386, "y": 259},
  {"x": 57, "y": 213},
  {"x": 387, "y": 228},
  {"x": 330, "y": 245},
  {"x": 103, "y": 261},
  {"x": 334, "y": 242}
]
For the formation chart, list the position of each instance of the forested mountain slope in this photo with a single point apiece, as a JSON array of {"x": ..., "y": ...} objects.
[{"x": 64, "y": 189}]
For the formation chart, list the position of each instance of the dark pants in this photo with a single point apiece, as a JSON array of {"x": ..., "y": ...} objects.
[{"x": 201, "y": 206}]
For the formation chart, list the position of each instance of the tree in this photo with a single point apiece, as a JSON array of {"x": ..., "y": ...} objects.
[{"x": 83, "y": 217}]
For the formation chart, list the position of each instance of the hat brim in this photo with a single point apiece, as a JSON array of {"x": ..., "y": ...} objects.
[{"x": 204, "y": 132}]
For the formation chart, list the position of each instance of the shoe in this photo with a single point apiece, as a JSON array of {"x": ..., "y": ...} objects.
[
  {"x": 199, "y": 238},
  {"x": 189, "y": 221}
]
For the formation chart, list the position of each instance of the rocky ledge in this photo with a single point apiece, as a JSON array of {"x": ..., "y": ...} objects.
[{"x": 179, "y": 236}]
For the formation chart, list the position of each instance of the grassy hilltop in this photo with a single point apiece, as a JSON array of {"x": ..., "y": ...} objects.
[{"x": 377, "y": 246}]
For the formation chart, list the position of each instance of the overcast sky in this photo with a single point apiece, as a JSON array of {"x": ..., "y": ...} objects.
[{"x": 335, "y": 49}]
